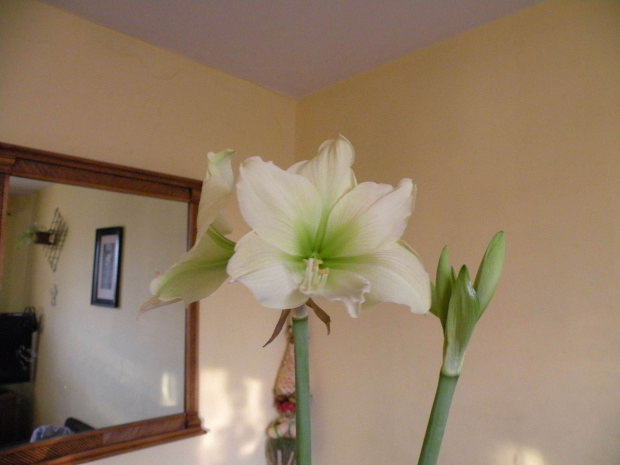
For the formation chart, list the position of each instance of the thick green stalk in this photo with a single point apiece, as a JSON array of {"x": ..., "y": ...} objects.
[
  {"x": 302, "y": 386},
  {"x": 438, "y": 419}
]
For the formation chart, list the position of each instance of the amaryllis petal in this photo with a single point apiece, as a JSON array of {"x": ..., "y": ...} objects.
[
  {"x": 370, "y": 217},
  {"x": 216, "y": 190},
  {"x": 346, "y": 286},
  {"x": 271, "y": 274},
  {"x": 330, "y": 171},
  {"x": 196, "y": 275},
  {"x": 155, "y": 302},
  {"x": 283, "y": 208},
  {"x": 202, "y": 270},
  {"x": 395, "y": 275}
]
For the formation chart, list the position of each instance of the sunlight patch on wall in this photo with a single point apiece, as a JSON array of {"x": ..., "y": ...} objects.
[
  {"x": 235, "y": 411},
  {"x": 169, "y": 390},
  {"x": 215, "y": 390},
  {"x": 511, "y": 454},
  {"x": 254, "y": 415}
]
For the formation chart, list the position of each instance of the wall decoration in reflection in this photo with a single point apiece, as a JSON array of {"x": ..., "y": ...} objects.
[
  {"x": 52, "y": 238},
  {"x": 58, "y": 230},
  {"x": 107, "y": 266}
]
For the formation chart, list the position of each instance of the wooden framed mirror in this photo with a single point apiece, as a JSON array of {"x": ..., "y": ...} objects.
[{"x": 16, "y": 161}]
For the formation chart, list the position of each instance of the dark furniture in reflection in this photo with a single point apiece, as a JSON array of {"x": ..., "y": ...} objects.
[
  {"x": 16, "y": 346},
  {"x": 8, "y": 417}
]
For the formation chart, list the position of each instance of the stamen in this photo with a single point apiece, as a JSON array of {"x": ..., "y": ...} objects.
[{"x": 315, "y": 277}]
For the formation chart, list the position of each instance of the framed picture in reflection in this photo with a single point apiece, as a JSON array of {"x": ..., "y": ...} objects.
[{"x": 107, "y": 267}]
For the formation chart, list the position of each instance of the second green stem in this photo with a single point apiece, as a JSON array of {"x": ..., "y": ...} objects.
[{"x": 438, "y": 419}]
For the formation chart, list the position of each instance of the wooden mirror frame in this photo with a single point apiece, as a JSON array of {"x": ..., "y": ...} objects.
[{"x": 91, "y": 445}]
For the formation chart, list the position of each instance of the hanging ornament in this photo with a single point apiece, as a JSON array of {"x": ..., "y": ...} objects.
[{"x": 282, "y": 431}]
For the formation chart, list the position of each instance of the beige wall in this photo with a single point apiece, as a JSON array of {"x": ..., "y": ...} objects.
[
  {"x": 511, "y": 126},
  {"x": 18, "y": 258},
  {"x": 85, "y": 90}
]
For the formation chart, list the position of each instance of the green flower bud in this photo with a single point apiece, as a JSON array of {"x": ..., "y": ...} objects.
[{"x": 459, "y": 305}]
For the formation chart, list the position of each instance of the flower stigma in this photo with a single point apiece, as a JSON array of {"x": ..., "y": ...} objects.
[{"x": 315, "y": 277}]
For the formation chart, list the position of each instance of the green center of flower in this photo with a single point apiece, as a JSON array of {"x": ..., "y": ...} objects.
[{"x": 315, "y": 277}]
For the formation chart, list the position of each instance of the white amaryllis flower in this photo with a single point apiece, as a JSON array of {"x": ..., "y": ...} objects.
[
  {"x": 200, "y": 271},
  {"x": 319, "y": 234}
]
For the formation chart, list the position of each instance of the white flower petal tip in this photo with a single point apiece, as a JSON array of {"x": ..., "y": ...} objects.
[
  {"x": 154, "y": 302},
  {"x": 354, "y": 307},
  {"x": 339, "y": 147},
  {"x": 217, "y": 188},
  {"x": 219, "y": 165}
]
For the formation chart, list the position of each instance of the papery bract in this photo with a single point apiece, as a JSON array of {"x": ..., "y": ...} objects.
[{"x": 317, "y": 233}]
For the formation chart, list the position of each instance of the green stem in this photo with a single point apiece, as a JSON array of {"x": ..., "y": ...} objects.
[
  {"x": 302, "y": 386},
  {"x": 438, "y": 419}
]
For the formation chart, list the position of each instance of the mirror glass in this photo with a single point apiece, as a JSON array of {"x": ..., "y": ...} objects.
[{"x": 98, "y": 364}]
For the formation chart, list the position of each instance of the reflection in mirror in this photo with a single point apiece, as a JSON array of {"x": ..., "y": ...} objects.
[
  {"x": 99, "y": 365},
  {"x": 135, "y": 382}
]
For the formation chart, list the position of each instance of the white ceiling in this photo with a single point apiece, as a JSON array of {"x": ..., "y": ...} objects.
[{"x": 294, "y": 47}]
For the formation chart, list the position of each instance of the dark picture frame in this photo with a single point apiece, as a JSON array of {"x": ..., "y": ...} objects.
[{"x": 107, "y": 267}]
